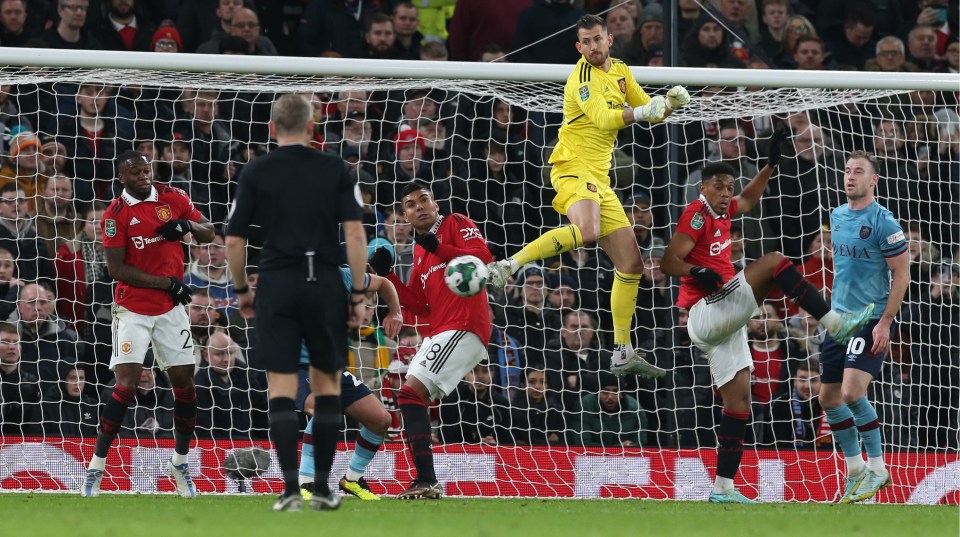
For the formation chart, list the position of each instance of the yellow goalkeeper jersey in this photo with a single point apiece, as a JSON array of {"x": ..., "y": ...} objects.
[{"x": 593, "y": 103}]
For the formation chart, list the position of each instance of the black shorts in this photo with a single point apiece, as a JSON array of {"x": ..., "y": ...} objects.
[
  {"x": 834, "y": 358},
  {"x": 290, "y": 310},
  {"x": 351, "y": 390}
]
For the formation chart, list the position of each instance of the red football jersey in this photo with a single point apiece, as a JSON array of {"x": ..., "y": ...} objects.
[
  {"x": 711, "y": 232},
  {"x": 427, "y": 289},
  {"x": 133, "y": 224}
]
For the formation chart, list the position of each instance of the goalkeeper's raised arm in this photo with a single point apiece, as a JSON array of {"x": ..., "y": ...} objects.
[{"x": 600, "y": 98}]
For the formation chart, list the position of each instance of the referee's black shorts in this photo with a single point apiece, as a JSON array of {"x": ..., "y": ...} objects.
[{"x": 290, "y": 310}]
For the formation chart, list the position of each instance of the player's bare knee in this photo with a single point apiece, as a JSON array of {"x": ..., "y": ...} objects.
[
  {"x": 589, "y": 232},
  {"x": 380, "y": 423},
  {"x": 850, "y": 395}
]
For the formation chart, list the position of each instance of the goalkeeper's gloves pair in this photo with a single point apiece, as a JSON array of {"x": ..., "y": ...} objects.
[{"x": 656, "y": 109}]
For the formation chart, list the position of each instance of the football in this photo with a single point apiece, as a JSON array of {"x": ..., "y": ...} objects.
[{"x": 466, "y": 275}]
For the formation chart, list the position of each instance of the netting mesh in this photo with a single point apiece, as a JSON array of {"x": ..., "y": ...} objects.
[{"x": 482, "y": 145}]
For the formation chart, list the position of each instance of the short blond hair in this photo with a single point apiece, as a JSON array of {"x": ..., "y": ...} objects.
[{"x": 292, "y": 114}]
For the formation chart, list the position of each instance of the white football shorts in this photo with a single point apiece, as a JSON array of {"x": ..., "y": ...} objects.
[
  {"x": 444, "y": 359},
  {"x": 169, "y": 333}
]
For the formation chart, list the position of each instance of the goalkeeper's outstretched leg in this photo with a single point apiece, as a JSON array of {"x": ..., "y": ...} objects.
[{"x": 606, "y": 223}]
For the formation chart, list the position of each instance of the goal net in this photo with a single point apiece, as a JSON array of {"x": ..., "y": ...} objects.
[{"x": 541, "y": 418}]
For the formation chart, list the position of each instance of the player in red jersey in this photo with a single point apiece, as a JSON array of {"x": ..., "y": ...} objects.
[
  {"x": 721, "y": 301},
  {"x": 459, "y": 327},
  {"x": 141, "y": 236}
]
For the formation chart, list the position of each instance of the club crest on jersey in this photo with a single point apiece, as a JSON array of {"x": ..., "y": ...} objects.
[
  {"x": 623, "y": 85},
  {"x": 164, "y": 213},
  {"x": 584, "y": 92},
  {"x": 110, "y": 227},
  {"x": 697, "y": 221},
  {"x": 591, "y": 187},
  {"x": 865, "y": 232}
]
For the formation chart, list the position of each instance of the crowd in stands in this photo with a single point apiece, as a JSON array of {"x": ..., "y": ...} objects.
[{"x": 545, "y": 380}]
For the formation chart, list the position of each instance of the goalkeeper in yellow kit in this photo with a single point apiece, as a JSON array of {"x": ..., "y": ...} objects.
[{"x": 595, "y": 100}]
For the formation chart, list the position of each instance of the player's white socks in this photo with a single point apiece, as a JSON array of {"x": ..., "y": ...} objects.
[
  {"x": 97, "y": 463},
  {"x": 876, "y": 465},
  {"x": 353, "y": 476},
  {"x": 304, "y": 480},
  {"x": 178, "y": 459},
  {"x": 722, "y": 485},
  {"x": 831, "y": 321},
  {"x": 855, "y": 464}
]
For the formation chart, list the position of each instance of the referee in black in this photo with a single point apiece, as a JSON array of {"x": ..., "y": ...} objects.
[{"x": 299, "y": 197}]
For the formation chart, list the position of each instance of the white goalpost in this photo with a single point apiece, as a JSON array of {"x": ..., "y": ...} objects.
[{"x": 480, "y": 135}]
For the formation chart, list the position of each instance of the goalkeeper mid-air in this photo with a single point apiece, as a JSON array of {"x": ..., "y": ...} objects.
[{"x": 600, "y": 98}]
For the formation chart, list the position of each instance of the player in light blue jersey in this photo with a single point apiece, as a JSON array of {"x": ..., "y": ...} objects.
[
  {"x": 358, "y": 402},
  {"x": 868, "y": 245}
]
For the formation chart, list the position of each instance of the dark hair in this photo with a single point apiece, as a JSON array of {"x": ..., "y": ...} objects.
[
  {"x": 126, "y": 157},
  {"x": 862, "y": 16},
  {"x": 94, "y": 205},
  {"x": 588, "y": 22},
  {"x": 379, "y": 18},
  {"x": 234, "y": 44},
  {"x": 11, "y": 187},
  {"x": 414, "y": 186},
  {"x": 404, "y": 4},
  {"x": 735, "y": 229},
  {"x": 867, "y": 156},
  {"x": 717, "y": 168},
  {"x": 810, "y": 364},
  {"x": 809, "y": 38},
  {"x": 9, "y": 328}
]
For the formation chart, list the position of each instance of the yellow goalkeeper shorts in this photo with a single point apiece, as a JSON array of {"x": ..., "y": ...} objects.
[{"x": 574, "y": 182}]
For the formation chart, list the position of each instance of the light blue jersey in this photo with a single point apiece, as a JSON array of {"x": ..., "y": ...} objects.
[{"x": 862, "y": 242}]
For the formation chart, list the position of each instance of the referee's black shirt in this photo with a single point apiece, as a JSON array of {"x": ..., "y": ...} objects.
[{"x": 298, "y": 195}]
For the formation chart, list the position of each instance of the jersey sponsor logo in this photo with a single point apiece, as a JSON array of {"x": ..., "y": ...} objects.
[
  {"x": 470, "y": 233},
  {"x": 431, "y": 270},
  {"x": 140, "y": 242},
  {"x": 134, "y": 221},
  {"x": 591, "y": 187},
  {"x": 164, "y": 213},
  {"x": 896, "y": 237},
  {"x": 717, "y": 248},
  {"x": 697, "y": 221},
  {"x": 623, "y": 85},
  {"x": 110, "y": 227},
  {"x": 865, "y": 231},
  {"x": 584, "y": 92},
  {"x": 126, "y": 347},
  {"x": 845, "y": 250}
]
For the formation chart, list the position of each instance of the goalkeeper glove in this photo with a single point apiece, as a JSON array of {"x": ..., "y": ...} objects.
[
  {"x": 174, "y": 230},
  {"x": 381, "y": 261},
  {"x": 652, "y": 111},
  {"x": 179, "y": 291},
  {"x": 677, "y": 97},
  {"x": 428, "y": 241},
  {"x": 773, "y": 152},
  {"x": 708, "y": 278}
]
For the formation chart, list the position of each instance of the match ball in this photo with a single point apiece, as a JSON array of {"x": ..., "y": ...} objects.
[{"x": 466, "y": 275}]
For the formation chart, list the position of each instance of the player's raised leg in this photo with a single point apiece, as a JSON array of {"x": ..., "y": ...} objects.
[
  {"x": 583, "y": 229},
  {"x": 374, "y": 420}
]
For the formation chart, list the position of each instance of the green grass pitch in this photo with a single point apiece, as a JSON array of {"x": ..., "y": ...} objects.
[{"x": 30, "y": 515}]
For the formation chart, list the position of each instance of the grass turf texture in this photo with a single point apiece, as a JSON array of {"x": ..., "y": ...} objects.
[{"x": 30, "y": 515}]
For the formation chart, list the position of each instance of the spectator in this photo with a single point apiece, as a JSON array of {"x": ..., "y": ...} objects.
[
  {"x": 806, "y": 332},
  {"x": 13, "y": 20},
  {"x": 70, "y": 33},
  {"x": 890, "y": 16},
  {"x": 122, "y": 29},
  {"x": 400, "y": 234},
  {"x": 655, "y": 298},
  {"x": 151, "y": 414},
  {"x": 19, "y": 386},
  {"x": 53, "y": 158},
  {"x": 405, "y": 22},
  {"x": 774, "y": 17},
  {"x": 477, "y": 23},
  {"x": 23, "y": 166},
  {"x": 380, "y": 38},
  {"x": 197, "y": 22},
  {"x": 485, "y": 192},
  {"x": 222, "y": 28},
  {"x": 857, "y": 45},
  {"x": 922, "y": 48},
  {"x": 68, "y": 411},
  {"x": 166, "y": 39},
  {"x": 622, "y": 26},
  {"x": 10, "y": 117},
  {"x": 941, "y": 15},
  {"x": 899, "y": 181},
  {"x": 536, "y": 39},
  {"x": 737, "y": 252},
  {"x": 818, "y": 266},
  {"x": 694, "y": 393},
  {"x": 204, "y": 320},
  {"x": 434, "y": 52},
  {"x": 9, "y": 284},
  {"x": 57, "y": 220},
  {"x": 177, "y": 155},
  {"x": 799, "y": 185},
  {"x": 231, "y": 399},
  {"x": 17, "y": 227},
  {"x": 409, "y": 149},
  {"x": 574, "y": 359},
  {"x": 241, "y": 321},
  {"x": 92, "y": 141},
  {"x": 808, "y": 55},
  {"x": 890, "y": 57},
  {"x": 649, "y": 36},
  {"x": 81, "y": 262},
  {"x": 773, "y": 355},
  {"x": 209, "y": 271},
  {"x": 334, "y": 26},
  {"x": 45, "y": 341},
  {"x": 493, "y": 53},
  {"x": 537, "y": 418},
  {"x": 529, "y": 321},
  {"x": 370, "y": 349},
  {"x": 707, "y": 45},
  {"x": 473, "y": 413},
  {"x": 610, "y": 418},
  {"x": 210, "y": 146},
  {"x": 507, "y": 360},
  {"x": 797, "y": 417},
  {"x": 244, "y": 24},
  {"x": 563, "y": 293},
  {"x": 797, "y": 27},
  {"x": 689, "y": 13},
  {"x": 735, "y": 14}
]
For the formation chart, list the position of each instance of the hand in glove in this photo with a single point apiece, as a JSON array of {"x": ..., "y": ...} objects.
[
  {"x": 774, "y": 151},
  {"x": 652, "y": 111},
  {"x": 428, "y": 241},
  {"x": 381, "y": 261},
  {"x": 174, "y": 230},
  {"x": 708, "y": 278},
  {"x": 180, "y": 292},
  {"x": 677, "y": 97}
]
